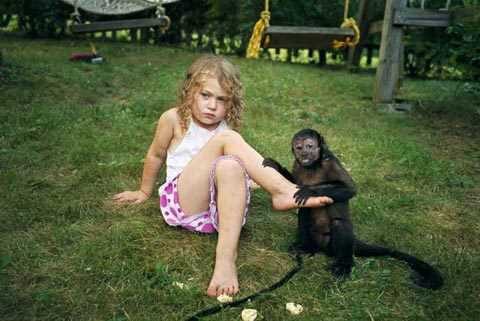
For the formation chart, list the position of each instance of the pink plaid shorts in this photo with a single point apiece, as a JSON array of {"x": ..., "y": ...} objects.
[{"x": 205, "y": 222}]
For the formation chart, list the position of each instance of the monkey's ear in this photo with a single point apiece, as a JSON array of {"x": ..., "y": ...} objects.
[
  {"x": 320, "y": 139},
  {"x": 325, "y": 153}
]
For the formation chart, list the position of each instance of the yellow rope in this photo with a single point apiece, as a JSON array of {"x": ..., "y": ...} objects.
[
  {"x": 349, "y": 42},
  {"x": 253, "y": 49},
  {"x": 348, "y": 23},
  {"x": 345, "y": 9}
]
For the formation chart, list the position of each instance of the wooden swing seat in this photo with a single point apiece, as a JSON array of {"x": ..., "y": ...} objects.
[
  {"x": 98, "y": 26},
  {"x": 304, "y": 37}
]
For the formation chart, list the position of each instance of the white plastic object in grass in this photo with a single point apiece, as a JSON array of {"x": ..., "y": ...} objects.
[
  {"x": 249, "y": 314},
  {"x": 294, "y": 308}
]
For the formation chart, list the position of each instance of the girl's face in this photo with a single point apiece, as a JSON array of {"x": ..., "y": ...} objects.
[{"x": 209, "y": 104}]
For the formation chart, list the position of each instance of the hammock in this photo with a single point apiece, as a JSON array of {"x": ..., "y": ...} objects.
[{"x": 115, "y": 7}]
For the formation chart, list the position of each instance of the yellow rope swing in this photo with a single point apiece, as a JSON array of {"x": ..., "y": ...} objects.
[
  {"x": 348, "y": 23},
  {"x": 253, "y": 49}
]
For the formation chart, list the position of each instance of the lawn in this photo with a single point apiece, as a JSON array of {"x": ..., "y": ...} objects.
[{"x": 73, "y": 134}]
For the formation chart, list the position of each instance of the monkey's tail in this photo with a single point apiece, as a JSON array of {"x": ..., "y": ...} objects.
[
  {"x": 423, "y": 275},
  {"x": 216, "y": 308}
]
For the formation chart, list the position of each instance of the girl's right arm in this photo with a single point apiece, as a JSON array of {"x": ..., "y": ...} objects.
[{"x": 155, "y": 158}]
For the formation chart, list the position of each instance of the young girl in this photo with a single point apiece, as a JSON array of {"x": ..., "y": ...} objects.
[{"x": 208, "y": 166}]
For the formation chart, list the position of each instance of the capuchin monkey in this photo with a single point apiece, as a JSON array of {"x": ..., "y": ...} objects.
[{"x": 317, "y": 172}]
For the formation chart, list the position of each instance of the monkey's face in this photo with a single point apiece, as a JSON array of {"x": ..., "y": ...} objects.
[{"x": 306, "y": 150}]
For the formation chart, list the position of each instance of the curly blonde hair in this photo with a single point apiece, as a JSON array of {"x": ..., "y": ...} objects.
[{"x": 227, "y": 76}]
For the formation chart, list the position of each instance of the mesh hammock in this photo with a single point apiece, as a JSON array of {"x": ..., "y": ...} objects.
[{"x": 115, "y": 7}]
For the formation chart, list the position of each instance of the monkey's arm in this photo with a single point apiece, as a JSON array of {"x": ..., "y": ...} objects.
[
  {"x": 270, "y": 162},
  {"x": 338, "y": 184},
  {"x": 337, "y": 191}
]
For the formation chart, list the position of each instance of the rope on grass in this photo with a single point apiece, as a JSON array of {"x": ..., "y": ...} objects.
[{"x": 216, "y": 308}]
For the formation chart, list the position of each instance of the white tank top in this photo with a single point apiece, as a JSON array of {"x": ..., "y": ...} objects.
[{"x": 195, "y": 138}]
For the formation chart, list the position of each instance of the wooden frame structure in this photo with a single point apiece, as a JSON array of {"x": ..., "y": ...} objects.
[
  {"x": 404, "y": 17},
  {"x": 390, "y": 66}
]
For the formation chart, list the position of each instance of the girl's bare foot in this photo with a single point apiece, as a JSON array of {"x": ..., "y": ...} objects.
[
  {"x": 224, "y": 279},
  {"x": 283, "y": 202}
]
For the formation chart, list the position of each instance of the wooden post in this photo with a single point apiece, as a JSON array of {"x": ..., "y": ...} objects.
[
  {"x": 401, "y": 66},
  {"x": 369, "y": 54},
  {"x": 278, "y": 51},
  {"x": 390, "y": 50},
  {"x": 322, "y": 57},
  {"x": 134, "y": 35},
  {"x": 355, "y": 53},
  {"x": 144, "y": 35},
  {"x": 156, "y": 35}
]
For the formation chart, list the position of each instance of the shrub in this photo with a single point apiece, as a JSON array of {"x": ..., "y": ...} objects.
[{"x": 45, "y": 18}]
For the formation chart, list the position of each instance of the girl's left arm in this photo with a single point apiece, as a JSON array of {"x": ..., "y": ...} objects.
[
  {"x": 154, "y": 160},
  {"x": 157, "y": 153}
]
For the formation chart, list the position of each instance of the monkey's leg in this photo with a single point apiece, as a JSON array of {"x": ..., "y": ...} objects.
[
  {"x": 306, "y": 235},
  {"x": 341, "y": 246}
]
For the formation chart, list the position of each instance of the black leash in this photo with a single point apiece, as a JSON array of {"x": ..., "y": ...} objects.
[{"x": 216, "y": 308}]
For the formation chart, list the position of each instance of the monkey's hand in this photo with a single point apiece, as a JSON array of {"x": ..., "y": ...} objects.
[
  {"x": 305, "y": 192},
  {"x": 270, "y": 162}
]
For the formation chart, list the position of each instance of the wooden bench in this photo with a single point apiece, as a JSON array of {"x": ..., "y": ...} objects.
[
  {"x": 99, "y": 26},
  {"x": 304, "y": 37}
]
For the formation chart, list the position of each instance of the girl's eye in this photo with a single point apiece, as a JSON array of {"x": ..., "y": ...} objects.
[{"x": 204, "y": 95}]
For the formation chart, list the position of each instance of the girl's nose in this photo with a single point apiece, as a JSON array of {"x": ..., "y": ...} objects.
[{"x": 212, "y": 103}]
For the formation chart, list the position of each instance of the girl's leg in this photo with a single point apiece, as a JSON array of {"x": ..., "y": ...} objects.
[
  {"x": 231, "y": 203},
  {"x": 194, "y": 180},
  {"x": 193, "y": 188}
]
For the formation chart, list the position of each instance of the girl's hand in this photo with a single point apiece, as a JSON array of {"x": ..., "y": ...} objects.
[{"x": 131, "y": 197}]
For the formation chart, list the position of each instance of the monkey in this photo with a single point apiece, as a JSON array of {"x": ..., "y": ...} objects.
[{"x": 318, "y": 172}]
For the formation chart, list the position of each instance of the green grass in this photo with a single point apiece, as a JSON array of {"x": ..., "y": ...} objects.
[{"x": 72, "y": 134}]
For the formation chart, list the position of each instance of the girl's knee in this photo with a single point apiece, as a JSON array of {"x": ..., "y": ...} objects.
[
  {"x": 227, "y": 135},
  {"x": 229, "y": 166}
]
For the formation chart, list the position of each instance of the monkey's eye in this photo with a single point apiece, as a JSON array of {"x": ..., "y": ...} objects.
[{"x": 309, "y": 146}]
